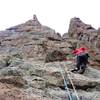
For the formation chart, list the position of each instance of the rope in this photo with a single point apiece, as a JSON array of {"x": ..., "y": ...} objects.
[
  {"x": 65, "y": 83},
  {"x": 62, "y": 68},
  {"x": 72, "y": 85}
]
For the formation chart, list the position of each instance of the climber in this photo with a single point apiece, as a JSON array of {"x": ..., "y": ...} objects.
[{"x": 81, "y": 59}]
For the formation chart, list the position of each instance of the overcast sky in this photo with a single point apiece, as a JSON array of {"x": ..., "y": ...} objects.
[{"x": 53, "y": 13}]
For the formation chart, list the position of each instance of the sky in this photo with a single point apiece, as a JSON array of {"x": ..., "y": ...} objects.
[{"x": 53, "y": 13}]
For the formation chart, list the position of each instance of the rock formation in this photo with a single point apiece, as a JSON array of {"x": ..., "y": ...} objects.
[
  {"x": 85, "y": 35},
  {"x": 77, "y": 28},
  {"x": 35, "y": 28},
  {"x": 32, "y": 57}
]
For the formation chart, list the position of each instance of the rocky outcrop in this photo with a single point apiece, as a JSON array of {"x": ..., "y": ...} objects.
[
  {"x": 55, "y": 55},
  {"x": 27, "y": 39},
  {"x": 77, "y": 28},
  {"x": 35, "y": 28},
  {"x": 33, "y": 58},
  {"x": 85, "y": 35},
  {"x": 81, "y": 31}
]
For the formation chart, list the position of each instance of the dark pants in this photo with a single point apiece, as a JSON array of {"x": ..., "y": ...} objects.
[{"x": 81, "y": 61}]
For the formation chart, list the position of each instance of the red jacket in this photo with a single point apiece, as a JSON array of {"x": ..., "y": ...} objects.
[{"x": 79, "y": 51}]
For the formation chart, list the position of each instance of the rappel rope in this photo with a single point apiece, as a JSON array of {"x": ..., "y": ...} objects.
[
  {"x": 72, "y": 84},
  {"x": 65, "y": 83}
]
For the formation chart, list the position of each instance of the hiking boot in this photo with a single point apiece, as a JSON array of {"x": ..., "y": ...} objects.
[
  {"x": 73, "y": 70},
  {"x": 81, "y": 71}
]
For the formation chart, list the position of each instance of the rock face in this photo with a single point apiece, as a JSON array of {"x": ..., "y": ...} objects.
[
  {"x": 27, "y": 39},
  {"x": 32, "y": 60},
  {"x": 55, "y": 55},
  {"x": 36, "y": 29},
  {"x": 85, "y": 35},
  {"x": 81, "y": 31},
  {"x": 77, "y": 28}
]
